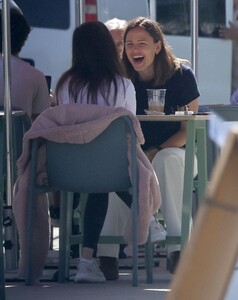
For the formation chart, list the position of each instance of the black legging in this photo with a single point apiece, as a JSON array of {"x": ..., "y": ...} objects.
[{"x": 95, "y": 214}]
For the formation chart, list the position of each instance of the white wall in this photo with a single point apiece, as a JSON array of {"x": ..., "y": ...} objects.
[
  {"x": 51, "y": 48},
  {"x": 122, "y": 9}
]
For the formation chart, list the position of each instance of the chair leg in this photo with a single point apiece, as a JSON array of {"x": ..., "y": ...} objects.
[
  {"x": 135, "y": 242},
  {"x": 66, "y": 204},
  {"x": 29, "y": 239},
  {"x": 31, "y": 209},
  {"x": 51, "y": 237},
  {"x": 2, "y": 265},
  {"x": 149, "y": 260},
  {"x": 2, "y": 271}
]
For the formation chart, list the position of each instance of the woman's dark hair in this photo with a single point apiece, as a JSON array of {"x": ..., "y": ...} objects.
[
  {"x": 95, "y": 63},
  {"x": 19, "y": 29},
  {"x": 165, "y": 63}
]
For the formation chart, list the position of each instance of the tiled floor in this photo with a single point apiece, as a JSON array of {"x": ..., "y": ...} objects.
[{"x": 120, "y": 289}]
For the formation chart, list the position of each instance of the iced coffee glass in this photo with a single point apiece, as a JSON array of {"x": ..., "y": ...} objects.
[{"x": 156, "y": 99}]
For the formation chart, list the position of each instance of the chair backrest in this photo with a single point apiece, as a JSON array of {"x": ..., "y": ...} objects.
[{"x": 98, "y": 166}]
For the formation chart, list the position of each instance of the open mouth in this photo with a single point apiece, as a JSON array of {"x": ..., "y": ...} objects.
[{"x": 138, "y": 58}]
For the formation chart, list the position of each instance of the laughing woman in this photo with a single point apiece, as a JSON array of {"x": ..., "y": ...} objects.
[{"x": 150, "y": 64}]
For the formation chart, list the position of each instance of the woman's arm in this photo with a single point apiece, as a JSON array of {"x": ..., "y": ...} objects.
[{"x": 130, "y": 98}]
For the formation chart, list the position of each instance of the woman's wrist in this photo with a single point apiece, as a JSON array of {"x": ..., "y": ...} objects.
[{"x": 151, "y": 152}]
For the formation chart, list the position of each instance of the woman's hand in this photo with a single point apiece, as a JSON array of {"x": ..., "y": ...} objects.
[
  {"x": 150, "y": 153},
  {"x": 230, "y": 33}
]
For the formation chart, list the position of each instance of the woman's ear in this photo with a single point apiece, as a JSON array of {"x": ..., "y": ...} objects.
[{"x": 158, "y": 47}]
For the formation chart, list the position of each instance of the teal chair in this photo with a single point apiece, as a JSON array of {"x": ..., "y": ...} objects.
[{"x": 100, "y": 166}]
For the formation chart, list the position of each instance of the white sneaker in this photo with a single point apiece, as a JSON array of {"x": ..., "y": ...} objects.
[
  {"x": 157, "y": 231},
  {"x": 88, "y": 271}
]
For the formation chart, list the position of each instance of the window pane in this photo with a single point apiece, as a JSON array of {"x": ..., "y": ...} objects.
[
  {"x": 46, "y": 13},
  {"x": 211, "y": 17},
  {"x": 174, "y": 15}
]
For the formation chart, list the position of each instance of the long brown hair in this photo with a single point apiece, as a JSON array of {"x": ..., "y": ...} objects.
[
  {"x": 165, "y": 63},
  {"x": 95, "y": 64}
]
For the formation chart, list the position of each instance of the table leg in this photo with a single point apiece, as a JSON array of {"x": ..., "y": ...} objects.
[
  {"x": 195, "y": 136},
  {"x": 188, "y": 181},
  {"x": 202, "y": 161}
]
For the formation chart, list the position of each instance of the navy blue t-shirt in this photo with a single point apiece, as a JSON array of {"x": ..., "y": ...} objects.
[{"x": 181, "y": 89}]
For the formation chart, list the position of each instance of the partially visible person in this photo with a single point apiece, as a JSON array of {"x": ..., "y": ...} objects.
[
  {"x": 117, "y": 28},
  {"x": 28, "y": 86},
  {"x": 231, "y": 33},
  {"x": 150, "y": 64},
  {"x": 234, "y": 98},
  {"x": 29, "y": 91}
]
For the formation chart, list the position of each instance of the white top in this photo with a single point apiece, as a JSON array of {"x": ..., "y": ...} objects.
[
  {"x": 127, "y": 100},
  {"x": 29, "y": 91}
]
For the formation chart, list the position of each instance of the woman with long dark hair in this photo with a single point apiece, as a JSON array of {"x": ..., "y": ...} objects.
[{"x": 95, "y": 77}]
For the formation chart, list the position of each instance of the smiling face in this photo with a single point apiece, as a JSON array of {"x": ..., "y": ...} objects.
[{"x": 141, "y": 50}]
